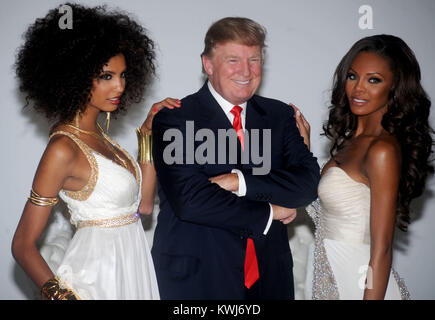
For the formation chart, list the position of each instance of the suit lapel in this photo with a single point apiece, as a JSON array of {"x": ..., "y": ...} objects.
[
  {"x": 211, "y": 115},
  {"x": 210, "y": 112},
  {"x": 255, "y": 116},
  {"x": 255, "y": 119}
]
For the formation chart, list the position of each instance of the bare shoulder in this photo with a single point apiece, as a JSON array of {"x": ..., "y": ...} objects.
[
  {"x": 61, "y": 149},
  {"x": 331, "y": 163},
  {"x": 383, "y": 153},
  {"x": 384, "y": 146},
  {"x": 56, "y": 165}
]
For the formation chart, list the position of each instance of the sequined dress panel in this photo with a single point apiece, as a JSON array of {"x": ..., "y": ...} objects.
[
  {"x": 339, "y": 265},
  {"x": 108, "y": 256}
]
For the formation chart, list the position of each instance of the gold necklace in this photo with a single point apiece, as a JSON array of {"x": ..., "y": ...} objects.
[{"x": 104, "y": 140}]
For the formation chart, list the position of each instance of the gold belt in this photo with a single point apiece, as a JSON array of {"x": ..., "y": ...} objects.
[{"x": 109, "y": 223}]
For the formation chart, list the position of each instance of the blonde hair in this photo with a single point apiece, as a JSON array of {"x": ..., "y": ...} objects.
[{"x": 236, "y": 29}]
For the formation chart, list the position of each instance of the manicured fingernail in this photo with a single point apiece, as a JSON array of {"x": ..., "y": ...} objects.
[
  {"x": 155, "y": 109},
  {"x": 298, "y": 113}
]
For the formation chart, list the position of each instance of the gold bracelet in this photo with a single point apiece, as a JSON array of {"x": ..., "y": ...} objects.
[
  {"x": 145, "y": 147},
  {"x": 53, "y": 290},
  {"x": 42, "y": 201}
]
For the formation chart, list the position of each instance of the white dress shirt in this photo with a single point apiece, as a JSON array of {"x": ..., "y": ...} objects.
[{"x": 227, "y": 107}]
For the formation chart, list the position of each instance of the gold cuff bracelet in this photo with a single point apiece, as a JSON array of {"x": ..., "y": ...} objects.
[
  {"x": 53, "y": 290},
  {"x": 145, "y": 150}
]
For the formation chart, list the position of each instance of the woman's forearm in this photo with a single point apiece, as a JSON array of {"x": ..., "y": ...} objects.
[
  {"x": 378, "y": 275},
  {"x": 29, "y": 258},
  {"x": 149, "y": 180}
]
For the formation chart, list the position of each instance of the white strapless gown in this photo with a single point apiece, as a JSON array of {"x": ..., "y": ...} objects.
[
  {"x": 338, "y": 264},
  {"x": 108, "y": 256}
]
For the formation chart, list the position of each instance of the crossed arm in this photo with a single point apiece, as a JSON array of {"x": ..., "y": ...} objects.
[
  {"x": 298, "y": 181},
  {"x": 204, "y": 200},
  {"x": 194, "y": 198}
]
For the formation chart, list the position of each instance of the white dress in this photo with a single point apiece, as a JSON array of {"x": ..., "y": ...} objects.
[
  {"x": 108, "y": 256},
  {"x": 339, "y": 262}
]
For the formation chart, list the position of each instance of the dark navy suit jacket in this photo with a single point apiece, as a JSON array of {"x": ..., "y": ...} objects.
[{"x": 200, "y": 238}]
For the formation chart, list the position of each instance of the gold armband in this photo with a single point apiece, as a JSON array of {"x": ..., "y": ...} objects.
[
  {"x": 53, "y": 290},
  {"x": 42, "y": 201},
  {"x": 145, "y": 150}
]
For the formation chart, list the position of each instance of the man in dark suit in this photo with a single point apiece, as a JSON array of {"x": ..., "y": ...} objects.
[{"x": 221, "y": 231}]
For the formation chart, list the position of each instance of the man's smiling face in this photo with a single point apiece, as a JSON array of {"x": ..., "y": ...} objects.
[{"x": 234, "y": 70}]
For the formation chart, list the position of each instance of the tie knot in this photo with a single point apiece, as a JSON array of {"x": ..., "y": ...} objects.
[{"x": 236, "y": 110}]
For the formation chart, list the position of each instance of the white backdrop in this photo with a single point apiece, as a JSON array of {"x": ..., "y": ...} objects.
[{"x": 306, "y": 40}]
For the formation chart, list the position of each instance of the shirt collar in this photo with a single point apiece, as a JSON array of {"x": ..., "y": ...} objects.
[{"x": 224, "y": 104}]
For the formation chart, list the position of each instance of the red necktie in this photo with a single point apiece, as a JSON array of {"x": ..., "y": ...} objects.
[
  {"x": 251, "y": 264},
  {"x": 237, "y": 124}
]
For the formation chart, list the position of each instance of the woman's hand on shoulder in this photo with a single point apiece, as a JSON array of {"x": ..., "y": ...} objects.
[
  {"x": 169, "y": 103},
  {"x": 303, "y": 125}
]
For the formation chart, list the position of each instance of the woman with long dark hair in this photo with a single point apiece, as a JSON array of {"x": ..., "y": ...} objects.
[{"x": 381, "y": 144}]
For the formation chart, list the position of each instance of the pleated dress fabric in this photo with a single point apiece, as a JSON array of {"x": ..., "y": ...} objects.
[{"x": 108, "y": 257}]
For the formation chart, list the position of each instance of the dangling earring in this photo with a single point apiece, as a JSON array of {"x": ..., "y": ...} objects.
[
  {"x": 77, "y": 123},
  {"x": 107, "y": 121},
  {"x": 77, "y": 117}
]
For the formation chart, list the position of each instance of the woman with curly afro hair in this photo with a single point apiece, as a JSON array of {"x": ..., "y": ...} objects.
[
  {"x": 381, "y": 144},
  {"x": 102, "y": 64}
]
